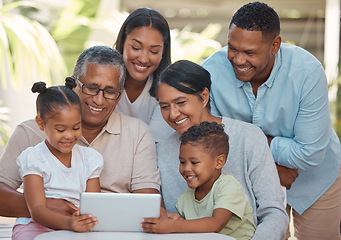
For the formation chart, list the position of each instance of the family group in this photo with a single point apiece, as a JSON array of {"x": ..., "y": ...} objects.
[{"x": 235, "y": 145}]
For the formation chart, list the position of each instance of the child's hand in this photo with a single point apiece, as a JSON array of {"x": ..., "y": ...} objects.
[
  {"x": 82, "y": 223},
  {"x": 174, "y": 216},
  {"x": 165, "y": 215},
  {"x": 157, "y": 225}
]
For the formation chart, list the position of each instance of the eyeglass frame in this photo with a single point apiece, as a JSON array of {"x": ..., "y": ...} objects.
[{"x": 98, "y": 90}]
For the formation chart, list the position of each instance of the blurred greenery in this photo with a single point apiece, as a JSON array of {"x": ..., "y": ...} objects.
[
  {"x": 77, "y": 22},
  {"x": 28, "y": 53},
  {"x": 73, "y": 29},
  {"x": 335, "y": 109},
  {"x": 194, "y": 46},
  {"x": 29, "y": 50},
  {"x": 4, "y": 128}
]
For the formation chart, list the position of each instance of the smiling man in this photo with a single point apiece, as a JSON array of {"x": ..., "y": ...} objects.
[
  {"x": 283, "y": 89},
  {"x": 126, "y": 143}
]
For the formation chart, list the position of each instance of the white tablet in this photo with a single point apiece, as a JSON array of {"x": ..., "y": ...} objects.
[{"x": 120, "y": 212}]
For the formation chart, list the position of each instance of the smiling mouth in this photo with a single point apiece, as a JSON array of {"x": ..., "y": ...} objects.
[
  {"x": 67, "y": 143},
  {"x": 140, "y": 67},
  {"x": 190, "y": 178},
  {"x": 95, "y": 109},
  {"x": 242, "y": 69},
  {"x": 181, "y": 121}
]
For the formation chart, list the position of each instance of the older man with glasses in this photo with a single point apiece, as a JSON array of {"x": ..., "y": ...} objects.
[
  {"x": 126, "y": 143},
  {"x": 93, "y": 91}
]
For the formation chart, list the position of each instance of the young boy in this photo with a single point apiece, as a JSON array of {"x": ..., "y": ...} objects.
[{"x": 214, "y": 202}]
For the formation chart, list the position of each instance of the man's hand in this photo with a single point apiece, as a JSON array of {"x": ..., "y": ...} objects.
[
  {"x": 286, "y": 175},
  {"x": 61, "y": 206}
]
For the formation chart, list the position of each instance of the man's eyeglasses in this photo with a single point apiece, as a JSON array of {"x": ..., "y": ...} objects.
[{"x": 93, "y": 91}]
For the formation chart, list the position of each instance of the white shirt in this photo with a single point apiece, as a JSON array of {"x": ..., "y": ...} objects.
[
  {"x": 142, "y": 108},
  {"x": 146, "y": 108},
  {"x": 60, "y": 181}
]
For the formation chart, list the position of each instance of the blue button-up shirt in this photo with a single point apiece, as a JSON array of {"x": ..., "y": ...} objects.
[{"x": 293, "y": 107}]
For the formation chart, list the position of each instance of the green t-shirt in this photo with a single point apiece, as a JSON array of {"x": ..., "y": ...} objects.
[{"x": 226, "y": 193}]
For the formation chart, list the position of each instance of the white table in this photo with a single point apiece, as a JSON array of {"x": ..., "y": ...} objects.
[{"x": 130, "y": 236}]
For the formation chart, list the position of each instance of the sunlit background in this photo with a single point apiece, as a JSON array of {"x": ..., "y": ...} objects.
[{"x": 40, "y": 40}]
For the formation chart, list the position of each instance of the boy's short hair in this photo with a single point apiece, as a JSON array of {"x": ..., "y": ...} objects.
[{"x": 210, "y": 135}]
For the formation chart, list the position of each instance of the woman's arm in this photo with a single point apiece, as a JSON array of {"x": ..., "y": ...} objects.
[
  {"x": 36, "y": 201},
  {"x": 216, "y": 223},
  {"x": 272, "y": 219}
]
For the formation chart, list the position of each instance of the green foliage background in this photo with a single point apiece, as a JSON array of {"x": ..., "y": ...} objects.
[{"x": 28, "y": 51}]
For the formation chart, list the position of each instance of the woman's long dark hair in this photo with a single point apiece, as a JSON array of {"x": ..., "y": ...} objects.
[{"x": 147, "y": 17}]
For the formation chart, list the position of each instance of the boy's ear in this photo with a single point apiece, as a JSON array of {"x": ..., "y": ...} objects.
[
  {"x": 220, "y": 161},
  {"x": 40, "y": 122}
]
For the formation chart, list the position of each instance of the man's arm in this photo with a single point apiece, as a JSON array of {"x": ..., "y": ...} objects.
[
  {"x": 12, "y": 203},
  {"x": 286, "y": 175},
  {"x": 311, "y": 128}
]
